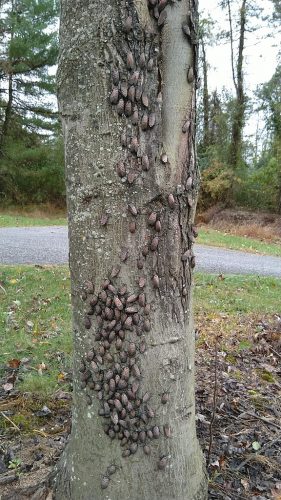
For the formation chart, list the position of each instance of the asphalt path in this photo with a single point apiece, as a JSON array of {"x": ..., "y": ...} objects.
[{"x": 49, "y": 245}]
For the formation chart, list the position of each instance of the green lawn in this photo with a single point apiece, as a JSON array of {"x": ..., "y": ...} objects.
[
  {"x": 7, "y": 220},
  {"x": 35, "y": 318},
  {"x": 208, "y": 236}
]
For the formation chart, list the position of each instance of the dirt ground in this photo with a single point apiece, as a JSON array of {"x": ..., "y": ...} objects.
[
  {"x": 261, "y": 225},
  {"x": 238, "y": 400}
]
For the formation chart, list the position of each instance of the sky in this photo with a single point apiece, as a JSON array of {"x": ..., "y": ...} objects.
[{"x": 260, "y": 52}]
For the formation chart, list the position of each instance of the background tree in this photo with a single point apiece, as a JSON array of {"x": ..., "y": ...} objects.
[
  {"x": 28, "y": 122},
  {"x": 126, "y": 81}
]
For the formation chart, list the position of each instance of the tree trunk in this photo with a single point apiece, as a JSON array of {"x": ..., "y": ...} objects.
[
  {"x": 238, "y": 79},
  {"x": 206, "y": 111},
  {"x": 126, "y": 95},
  {"x": 7, "y": 116}
]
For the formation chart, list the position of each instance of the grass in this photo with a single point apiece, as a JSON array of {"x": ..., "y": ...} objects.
[
  {"x": 35, "y": 317},
  {"x": 213, "y": 237},
  {"x": 7, "y": 220}
]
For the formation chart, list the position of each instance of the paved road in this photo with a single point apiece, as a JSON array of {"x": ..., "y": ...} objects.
[{"x": 49, "y": 245}]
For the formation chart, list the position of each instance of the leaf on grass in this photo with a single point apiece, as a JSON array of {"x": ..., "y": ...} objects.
[
  {"x": 13, "y": 281},
  {"x": 14, "y": 363}
]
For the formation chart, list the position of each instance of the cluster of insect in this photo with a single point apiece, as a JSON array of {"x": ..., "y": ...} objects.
[{"x": 111, "y": 369}]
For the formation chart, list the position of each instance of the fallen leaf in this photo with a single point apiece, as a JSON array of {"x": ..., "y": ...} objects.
[
  {"x": 8, "y": 387},
  {"x": 14, "y": 363}
]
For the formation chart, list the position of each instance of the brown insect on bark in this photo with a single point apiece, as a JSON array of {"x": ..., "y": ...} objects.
[
  {"x": 142, "y": 299},
  {"x": 118, "y": 303},
  {"x": 146, "y": 397},
  {"x": 190, "y": 75},
  {"x": 133, "y": 210},
  {"x": 186, "y": 29},
  {"x": 128, "y": 24},
  {"x": 132, "y": 93},
  {"x": 171, "y": 201},
  {"x": 124, "y": 88},
  {"x": 189, "y": 182},
  {"x": 134, "y": 77},
  {"x": 132, "y": 227},
  {"x": 162, "y": 463},
  {"x": 150, "y": 65},
  {"x": 132, "y": 176},
  {"x": 121, "y": 169},
  {"x": 158, "y": 226},
  {"x": 115, "y": 76},
  {"x": 145, "y": 163},
  {"x": 164, "y": 158},
  {"x": 104, "y": 219},
  {"x": 135, "y": 117},
  {"x": 144, "y": 121},
  {"x": 145, "y": 251},
  {"x": 146, "y": 325},
  {"x": 134, "y": 146},
  {"x": 151, "y": 120},
  {"x": 132, "y": 298},
  {"x": 147, "y": 449},
  {"x": 162, "y": 4},
  {"x": 145, "y": 100},
  {"x": 141, "y": 282},
  {"x": 114, "y": 96},
  {"x": 115, "y": 271},
  {"x": 185, "y": 126},
  {"x": 140, "y": 263},
  {"x": 87, "y": 322},
  {"x": 120, "y": 107},
  {"x": 152, "y": 218},
  {"x": 154, "y": 244},
  {"x": 130, "y": 60},
  {"x": 132, "y": 349},
  {"x": 128, "y": 108},
  {"x": 104, "y": 482},
  {"x": 167, "y": 431},
  {"x": 124, "y": 254},
  {"x": 138, "y": 92},
  {"x": 156, "y": 281},
  {"x": 142, "y": 61}
]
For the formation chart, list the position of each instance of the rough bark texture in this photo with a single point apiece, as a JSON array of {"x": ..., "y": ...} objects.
[{"x": 131, "y": 188}]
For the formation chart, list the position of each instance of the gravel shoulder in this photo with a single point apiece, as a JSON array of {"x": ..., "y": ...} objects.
[{"x": 49, "y": 245}]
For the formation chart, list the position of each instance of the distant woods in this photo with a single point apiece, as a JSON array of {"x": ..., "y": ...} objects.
[
  {"x": 31, "y": 158},
  {"x": 235, "y": 169}
]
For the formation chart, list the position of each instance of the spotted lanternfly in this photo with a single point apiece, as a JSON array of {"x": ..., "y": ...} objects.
[
  {"x": 135, "y": 117},
  {"x": 132, "y": 93},
  {"x": 142, "y": 299},
  {"x": 186, "y": 29},
  {"x": 130, "y": 60},
  {"x": 121, "y": 169},
  {"x": 142, "y": 61},
  {"x": 133, "y": 210},
  {"x": 140, "y": 263},
  {"x": 162, "y": 463},
  {"x": 155, "y": 281},
  {"x": 171, "y": 201},
  {"x": 144, "y": 100},
  {"x": 120, "y": 106},
  {"x": 189, "y": 182},
  {"x": 167, "y": 430},
  {"x": 142, "y": 282},
  {"x": 154, "y": 244},
  {"x": 192, "y": 262},
  {"x": 115, "y": 76},
  {"x": 138, "y": 92},
  {"x": 134, "y": 144},
  {"x": 104, "y": 220},
  {"x": 147, "y": 449},
  {"x": 185, "y": 126},
  {"x": 146, "y": 325},
  {"x": 114, "y": 96},
  {"x": 145, "y": 251},
  {"x": 152, "y": 218},
  {"x": 190, "y": 75},
  {"x": 150, "y": 65},
  {"x": 144, "y": 122},
  {"x": 146, "y": 397},
  {"x": 151, "y": 120},
  {"x": 124, "y": 88},
  {"x": 128, "y": 108},
  {"x": 115, "y": 271},
  {"x": 104, "y": 482},
  {"x": 162, "y": 4},
  {"x": 132, "y": 227},
  {"x": 134, "y": 77},
  {"x": 156, "y": 12},
  {"x": 87, "y": 322},
  {"x": 132, "y": 298},
  {"x": 158, "y": 226},
  {"x": 145, "y": 163},
  {"x": 128, "y": 24},
  {"x": 131, "y": 177}
]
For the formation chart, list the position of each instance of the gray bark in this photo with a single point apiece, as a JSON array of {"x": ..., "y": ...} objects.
[{"x": 154, "y": 172}]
